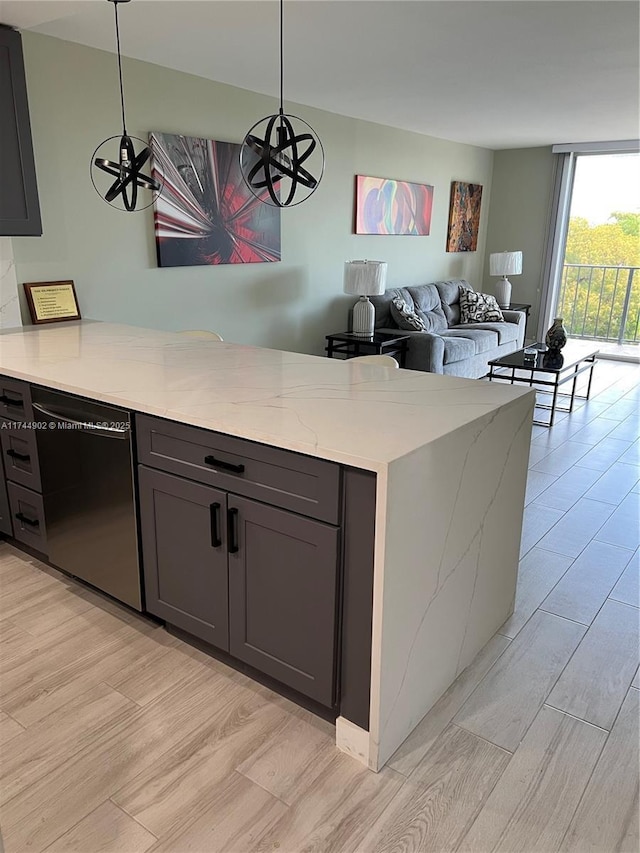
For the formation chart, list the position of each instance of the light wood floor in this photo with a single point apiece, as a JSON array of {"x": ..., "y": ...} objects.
[{"x": 116, "y": 738}]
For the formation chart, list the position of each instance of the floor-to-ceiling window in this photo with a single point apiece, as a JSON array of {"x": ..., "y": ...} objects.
[{"x": 594, "y": 274}]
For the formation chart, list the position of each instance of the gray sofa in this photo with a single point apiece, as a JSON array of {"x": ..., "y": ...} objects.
[{"x": 447, "y": 346}]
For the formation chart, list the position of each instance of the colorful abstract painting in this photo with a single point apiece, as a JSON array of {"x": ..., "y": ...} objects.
[
  {"x": 464, "y": 217},
  {"x": 392, "y": 207},
  {"x": 205, "y": 213}
]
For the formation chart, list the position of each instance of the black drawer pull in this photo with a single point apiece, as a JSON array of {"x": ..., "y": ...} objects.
[
  {"x": 32, "y": 522},
  {"x": 14, "y": 454},
  {"x": 226, "y": 466},
  {"x": 216, "y": 541},
  {"x": 232, "y": 537},
  {"x": 9, "y": 401}
]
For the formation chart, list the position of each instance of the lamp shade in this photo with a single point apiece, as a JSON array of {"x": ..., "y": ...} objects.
[
  {"x": 505, "y": 263},
  {"x": 365, "y": 278}
]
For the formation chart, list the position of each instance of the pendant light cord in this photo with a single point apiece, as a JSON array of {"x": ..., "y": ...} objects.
[
  {"x": 124, "y": 124},
  {"x": 281, "y": 57}
]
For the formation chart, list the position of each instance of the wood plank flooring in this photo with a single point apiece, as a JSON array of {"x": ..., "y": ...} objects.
[
  {"x": 116, "y": 737},
  {"x": 603, "y": 822},
  {"x": 535, "y": 799}
]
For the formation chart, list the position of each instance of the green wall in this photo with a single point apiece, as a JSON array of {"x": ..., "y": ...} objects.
[
  {"x": 518, "y": 220},
  {"x": 289, "y": 305}
]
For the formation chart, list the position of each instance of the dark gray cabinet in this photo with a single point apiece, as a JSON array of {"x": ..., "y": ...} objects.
[
  {"x": 251, "y": 579},
  {"x": 5, "y": 511},
  {"x": 20, "y": 468},
  {"x": 19, "y": 207},
  {"x": 292, "y": 573},
  {"x": 20, "y": 508},
  {"x": 282, "y": 595},
  {"x": 183, "y": 527}
]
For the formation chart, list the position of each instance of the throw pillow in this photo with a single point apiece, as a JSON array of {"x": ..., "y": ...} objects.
[
  {"x": 479, "y": 308},
  {"x": 405, "y": 316}
]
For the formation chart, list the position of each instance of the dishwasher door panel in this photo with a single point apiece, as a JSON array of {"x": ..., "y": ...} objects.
[{"x": 87, "y": 486}]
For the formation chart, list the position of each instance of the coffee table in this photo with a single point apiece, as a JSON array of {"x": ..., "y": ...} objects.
[{"x": 548, "y": 374}]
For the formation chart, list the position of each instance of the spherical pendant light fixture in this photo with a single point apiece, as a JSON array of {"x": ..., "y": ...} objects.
[
  {"x": 281, "y": 157},
  {"x": 122, "y": 192}
]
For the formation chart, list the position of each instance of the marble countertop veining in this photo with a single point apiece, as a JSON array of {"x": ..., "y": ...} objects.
[{"x": 349, "y": 412}]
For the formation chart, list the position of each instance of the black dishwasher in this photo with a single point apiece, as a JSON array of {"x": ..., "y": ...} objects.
[{"x": 86, "y": 470}]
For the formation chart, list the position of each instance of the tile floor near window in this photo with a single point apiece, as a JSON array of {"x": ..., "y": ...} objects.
[{"x": 117, "y": 738}]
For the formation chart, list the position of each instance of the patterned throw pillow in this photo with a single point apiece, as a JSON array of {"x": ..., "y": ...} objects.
[
  {"x": 479, "y": 308},
  {"x": 405, "y": 316}
]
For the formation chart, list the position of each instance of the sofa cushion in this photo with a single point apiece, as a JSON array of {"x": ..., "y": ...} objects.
[
  {"x": 478, "y": 308},
  {"x": 483, "y": 340},
  {"x": 506, "y": 332},
  {"x": 450, "y": 298},
  {"x": 428, "y": 307},
  {"x": 405, "y": 316},
  {"x": 457, "y": 348}
]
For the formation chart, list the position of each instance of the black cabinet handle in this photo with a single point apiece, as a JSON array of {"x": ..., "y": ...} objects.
[
  {"x": 24, "y": 457},
  {"x": 32, "y": 522},
  {"x": 9, "y": 401},
  {"x": 226, "y": 466},
  {"x": 232, "y": 533},
  {"x": 216, "y": 541}
]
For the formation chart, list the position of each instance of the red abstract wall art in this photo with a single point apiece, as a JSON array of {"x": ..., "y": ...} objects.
[{"x": 205, "y": 214}]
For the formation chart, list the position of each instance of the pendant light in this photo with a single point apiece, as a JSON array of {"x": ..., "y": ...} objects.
[
  {"x": 127, "y": 169},
  {"x": 281, "y": 157}
]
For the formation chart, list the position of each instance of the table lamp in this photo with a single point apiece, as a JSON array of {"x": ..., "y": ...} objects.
[
  {"x": 364, "y": 279},
  {"x": 504, "y": 264}
]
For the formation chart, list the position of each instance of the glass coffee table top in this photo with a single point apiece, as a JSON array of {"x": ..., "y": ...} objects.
[{"x": 572, "y": 354}]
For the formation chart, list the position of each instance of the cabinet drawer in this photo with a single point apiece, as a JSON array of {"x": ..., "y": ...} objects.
[
  {"x": 20, "y": 455},
  {"x": 279, "y": 477},
  {"x": 15, "y": 400},
  {"x": 27, "y": 513}
]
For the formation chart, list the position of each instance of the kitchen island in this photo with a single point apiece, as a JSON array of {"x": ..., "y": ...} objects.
[{"x": 446, "y": 458}]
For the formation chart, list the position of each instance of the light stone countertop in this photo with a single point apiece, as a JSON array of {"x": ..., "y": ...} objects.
[{"x": 353, "y": 413}]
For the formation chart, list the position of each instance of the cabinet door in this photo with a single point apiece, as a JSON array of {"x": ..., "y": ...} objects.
[
  {"x": 282, "y": 595},
  {"x": 19, "y": 208},
  {"x": 184, "y": 552}
]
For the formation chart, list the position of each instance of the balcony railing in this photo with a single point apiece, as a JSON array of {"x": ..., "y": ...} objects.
[{"x": 601, "y": 303}]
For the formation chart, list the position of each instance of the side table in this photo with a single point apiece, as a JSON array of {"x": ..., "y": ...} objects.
[
  {"x": 348, "y": 345},
  {"x": 526, "y": 310}
]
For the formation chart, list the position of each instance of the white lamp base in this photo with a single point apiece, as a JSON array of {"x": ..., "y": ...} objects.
[
  {"x": 364, "y": 317},
  {"x": 503, "y": 292}
]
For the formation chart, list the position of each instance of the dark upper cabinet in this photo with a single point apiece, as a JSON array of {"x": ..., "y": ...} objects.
[{"x": 19, "y": 207}]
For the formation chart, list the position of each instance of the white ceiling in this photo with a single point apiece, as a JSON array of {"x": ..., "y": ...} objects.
[{"x": 498, "y": 74}]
